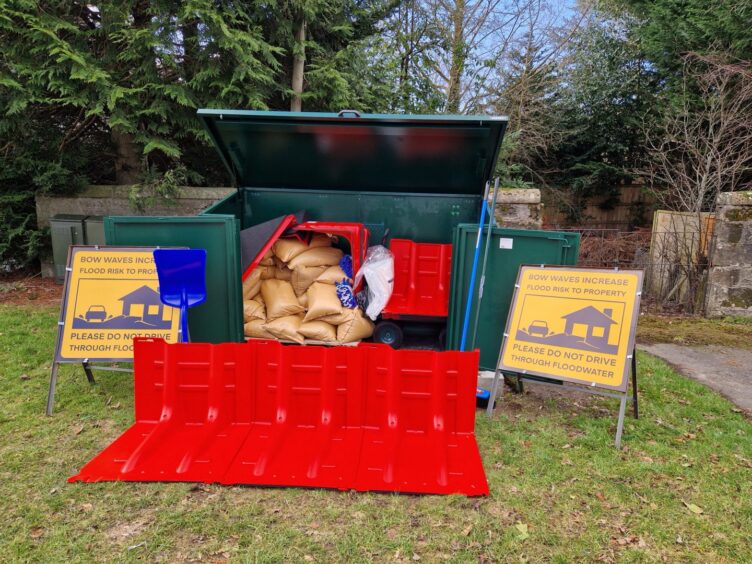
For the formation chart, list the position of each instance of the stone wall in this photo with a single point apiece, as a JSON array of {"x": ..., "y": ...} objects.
[
  {"x": 113, "y": 200},
  {"x": 518, "y": 208},
  {"x": 730, "y": 276}
]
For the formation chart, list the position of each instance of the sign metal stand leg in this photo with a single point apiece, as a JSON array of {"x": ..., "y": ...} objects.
[
  {"x": 89, "y": 373},
  {"x": 625, "y": 398},
  {"x": 620, "y": 423},
  {"x": 495, "y": 387},
  {"x": 51, "y": 391},
  {"x": 634, "y": 385}
]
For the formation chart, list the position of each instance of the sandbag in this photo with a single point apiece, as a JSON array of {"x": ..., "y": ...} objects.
[
  {"x": 279, "y": 298},
  {"x": 304, "y": 276},
  {"x": 282, "y": 273},
  {"x": 332, "y": 275},
  {"x": 317, "y": 256},
  {"x": 267, "y": 272},
  {"x": 344, "y": 315},
  {"x": 255, "y": 329},
  {"x": 318, "y": 331},
  {"x": 320, "y": 240},
  {"x": 253, "y": 310},
  {"x": 288, "y": 248},
  {"x": 322, "y": 301},
  {"x": 303, "y": 300},
  {"x": 286, "y": 328},
  {"x": 357, "y": 328},
  {"x": 267, "y": 259},
  {"x": 252, "y": 284}
]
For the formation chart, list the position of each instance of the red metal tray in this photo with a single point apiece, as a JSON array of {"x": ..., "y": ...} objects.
[
  {"x": 365, "y": 418},
  {"x": 421, "y": 279}
]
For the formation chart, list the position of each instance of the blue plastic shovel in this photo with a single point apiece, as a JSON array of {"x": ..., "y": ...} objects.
[{"x": 182, "y": 281}]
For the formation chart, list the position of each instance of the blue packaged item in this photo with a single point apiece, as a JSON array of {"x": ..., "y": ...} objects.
[
  {"x": 346, "y": 265},
  {"x": 345, "y": 294}
]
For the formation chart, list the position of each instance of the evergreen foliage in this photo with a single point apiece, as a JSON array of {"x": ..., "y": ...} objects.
[{"x": 107, "y": 91}]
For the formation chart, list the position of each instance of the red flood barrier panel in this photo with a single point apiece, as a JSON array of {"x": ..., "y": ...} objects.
[
  {"x": 364, "y": 418},
  {"x": 421, "y": 279}
]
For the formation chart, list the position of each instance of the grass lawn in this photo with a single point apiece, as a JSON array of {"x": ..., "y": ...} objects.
[
  {"x": 680, "y": 490},
  {"x": 729, "y": 331}
]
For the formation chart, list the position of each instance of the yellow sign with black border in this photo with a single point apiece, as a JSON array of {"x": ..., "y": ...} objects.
[
  {"x": 573, "y": 324},
  {"x": 111, "y": 295}
]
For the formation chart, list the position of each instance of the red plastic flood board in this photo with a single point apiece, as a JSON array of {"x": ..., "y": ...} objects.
[
  {"x": 363, "y": 418},
  {"x": 421, "y": 279}
]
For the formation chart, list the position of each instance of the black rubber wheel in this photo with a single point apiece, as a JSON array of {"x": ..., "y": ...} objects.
[
  {"x": 388, "y": 333},
  {"x": 442, "y": 339}
]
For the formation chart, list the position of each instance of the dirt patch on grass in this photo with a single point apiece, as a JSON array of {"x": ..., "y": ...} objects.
[
  {"x": 34, "y": 290},
  {"x": 124, "y": 532}
]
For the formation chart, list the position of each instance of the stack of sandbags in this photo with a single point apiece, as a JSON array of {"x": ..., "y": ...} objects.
[{"x": 292, "y": 295}]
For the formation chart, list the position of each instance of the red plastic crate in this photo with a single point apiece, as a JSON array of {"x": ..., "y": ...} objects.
[
  {"x": 421, "y": 279},
  {"x": 363, "y": 418}
]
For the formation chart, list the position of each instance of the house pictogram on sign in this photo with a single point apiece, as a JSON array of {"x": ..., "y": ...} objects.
[
  {"x": 586, "y": 329},
  {"x": 598, "y": 325},
  {"x": 145, "y": 300}
]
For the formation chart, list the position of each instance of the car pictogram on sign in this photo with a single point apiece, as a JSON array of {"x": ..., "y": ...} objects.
[
  {"x": 96, "y": 313},
  {"x": 538, "y": 327}
]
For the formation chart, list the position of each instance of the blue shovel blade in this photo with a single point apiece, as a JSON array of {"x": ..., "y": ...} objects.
[{"x": 182, "y": 276}]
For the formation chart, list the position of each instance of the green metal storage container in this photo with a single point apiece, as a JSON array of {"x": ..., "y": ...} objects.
[
  {"x": 415, "y": 176},
  {"x": 94, "y": 230},
  {"x": 509, "y": 248},
  {"x": 220, "y": 318},
  {"x": 65, "y": 230}
]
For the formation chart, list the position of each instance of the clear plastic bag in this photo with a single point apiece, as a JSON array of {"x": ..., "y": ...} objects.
[{"x": 378, "y": 269}]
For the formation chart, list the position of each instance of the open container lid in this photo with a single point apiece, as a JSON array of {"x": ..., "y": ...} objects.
[{"x": 350, "y": 151}]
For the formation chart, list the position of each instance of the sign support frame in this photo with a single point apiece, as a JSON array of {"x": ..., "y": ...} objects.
[
  {"x": 87, "y": 364},
  {"x": 622, "y": 395}
]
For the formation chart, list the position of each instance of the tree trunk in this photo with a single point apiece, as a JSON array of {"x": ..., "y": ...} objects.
[
  {"x": 458, "y": 57},
  {"x": 298, "y": 62},
  {"x": 127, "y": 160},
  {"x": 191, "y": 48},
  {"x": 127, "y": 152}
]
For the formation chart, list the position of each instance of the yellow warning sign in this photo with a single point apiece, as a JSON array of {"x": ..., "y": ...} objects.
[
  {"x": 111, "y": 296},
  {"x": 573, "y": 324}
]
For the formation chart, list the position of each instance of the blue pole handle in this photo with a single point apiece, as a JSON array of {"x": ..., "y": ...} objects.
[
  {"x": 471, "y": 288},
  {"x": 184, "y": 338}
]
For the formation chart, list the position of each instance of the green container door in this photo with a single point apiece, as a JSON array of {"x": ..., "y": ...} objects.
[
  {"x": 94, "y": 228},
  {"x": 66, "y": 230},
  {"x": 220, "y": 318},
  {"x": 509, "y": 249}
]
